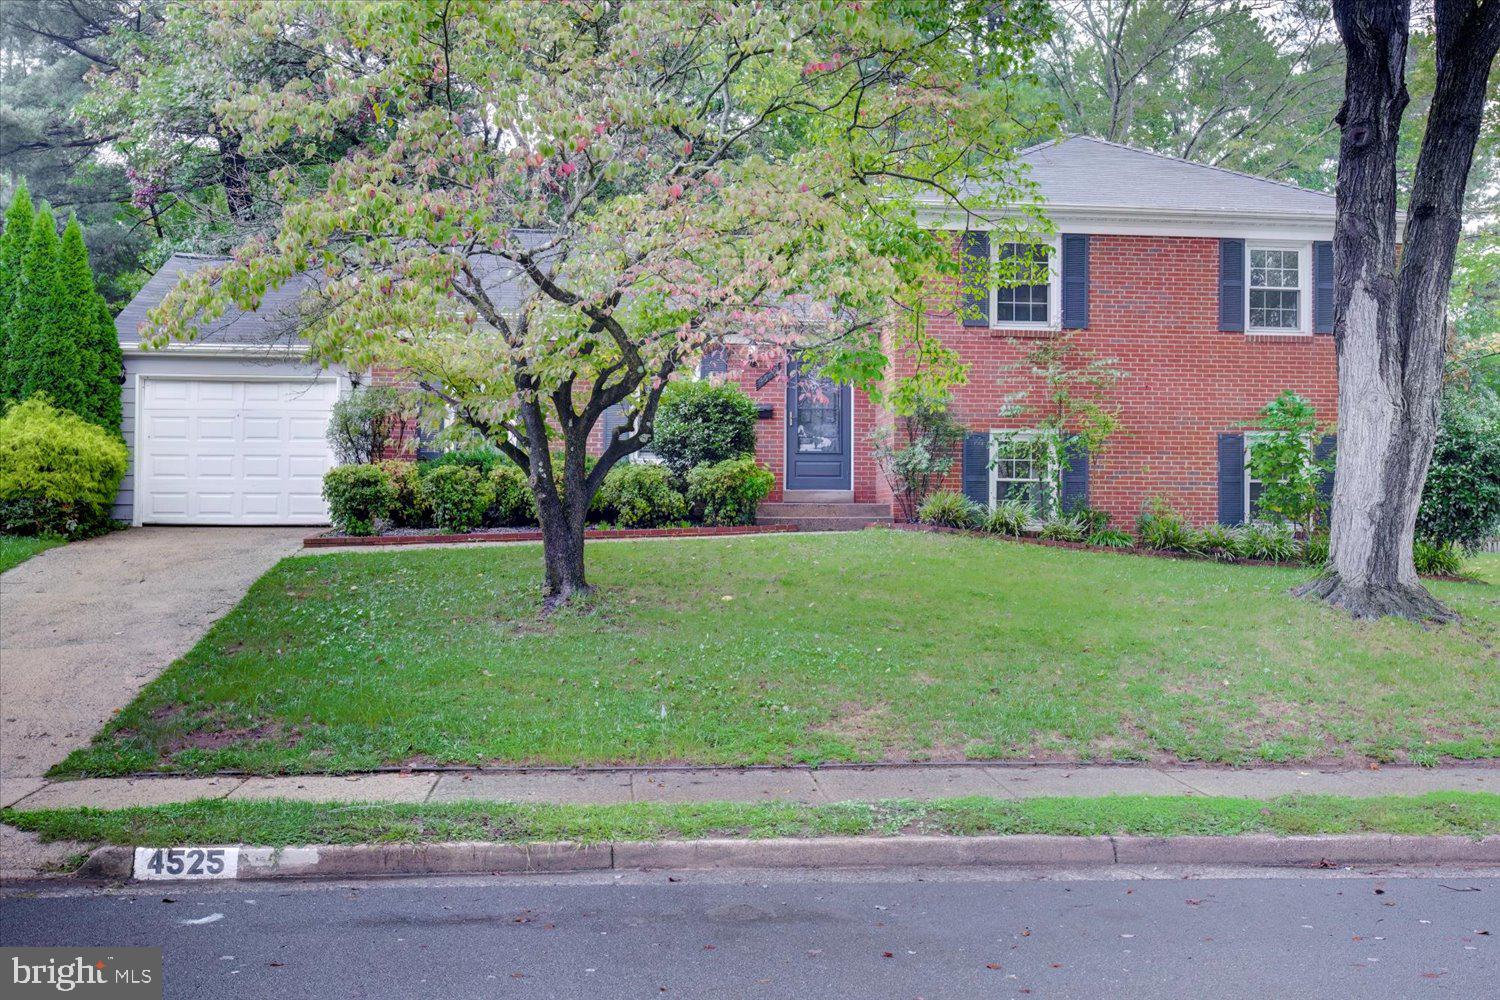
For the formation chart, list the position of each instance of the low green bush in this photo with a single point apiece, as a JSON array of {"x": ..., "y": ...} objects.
[
  {"x": 1438, "y": 558},
  {"x": 58, "y": 473},
  {"x": 358, "y": 497},
  {"x": 728, "y": 492},
  {"x": 640, "y": 495},
  {"x": 1218, "y": 542},
  {"x": 1268, "y": 542},
  {"x": 1011, "y": 517},
  {"x": 482, "y": 458},
  {"x": 1112, "y": 538},
  {"x": 511, "y": 502},
  {"x": 1092, "y": 518},
  {"x": 409, "y": 507},
  {"x": 457, "y": 495},
  {"x": 1161, "y": 527},
  {"x": 1064, "y": 529},
  {"x": 948, "y": 509}
]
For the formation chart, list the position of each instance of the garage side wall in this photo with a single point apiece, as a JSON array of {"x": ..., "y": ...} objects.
[{"x": 166, "y": 362}]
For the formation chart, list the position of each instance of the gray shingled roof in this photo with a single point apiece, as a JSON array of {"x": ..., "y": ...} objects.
[
  {"x": 1080, "y": 172},
  {"x": 277, "y": 320},
  {"x": 273, "y": 323}
]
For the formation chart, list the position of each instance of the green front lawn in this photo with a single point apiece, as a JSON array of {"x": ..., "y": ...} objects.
[
  {"x": 866, "y": 646},
  {"x": 279, "y": 823},
  {"x": 15, "y": 549}
]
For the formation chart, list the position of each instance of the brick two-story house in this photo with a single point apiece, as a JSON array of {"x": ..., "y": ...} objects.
[{"x": 1211, "y": 289}]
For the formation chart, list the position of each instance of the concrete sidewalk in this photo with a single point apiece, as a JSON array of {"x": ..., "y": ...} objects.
[{"x": 805, "y": 785}]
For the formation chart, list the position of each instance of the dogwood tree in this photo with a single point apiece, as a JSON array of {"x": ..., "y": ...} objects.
[{"x": 562, "y": 204}]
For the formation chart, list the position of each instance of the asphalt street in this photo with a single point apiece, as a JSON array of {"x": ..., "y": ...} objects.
[{"x": 932, "y": 934}]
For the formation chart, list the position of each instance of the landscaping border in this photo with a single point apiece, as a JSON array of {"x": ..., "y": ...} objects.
[
  {"x": 326, "y": 541},
  {"x": 939, "y": 529},
  {"x": 476, "y": 858}
]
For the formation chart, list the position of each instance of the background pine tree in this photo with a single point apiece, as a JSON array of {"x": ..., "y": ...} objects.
[
  {"x": 44, "y": 357},
  {"x": 13, "y": 239},
  {"x": 87, "y": 329}
]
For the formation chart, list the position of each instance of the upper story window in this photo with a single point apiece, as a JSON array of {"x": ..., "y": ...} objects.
[
  {"x": 1275, "y": 289},
  {"x": 1033, "y": 302}
]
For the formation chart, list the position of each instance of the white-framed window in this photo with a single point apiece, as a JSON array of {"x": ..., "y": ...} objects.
[
  {"x": 1254, "y": 487},
  {"x": 1036, "y": 305},
  {"x": 1023, "y": 464},
  {"x": 1277, "y": 288}
]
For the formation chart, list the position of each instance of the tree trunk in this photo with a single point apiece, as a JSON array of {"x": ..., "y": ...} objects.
[
  {"x": 562, "y": 509},
  {"x": 1388, "y": 328}
]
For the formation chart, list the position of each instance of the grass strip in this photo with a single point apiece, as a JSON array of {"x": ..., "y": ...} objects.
[{"x": 277, "y": 823}]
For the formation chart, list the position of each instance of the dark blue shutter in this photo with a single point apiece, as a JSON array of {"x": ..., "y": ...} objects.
[
  {"x": 1231, "y": 284},
  {"x": 1075, "y": 281},
  {"x": 977, "y": 468},
  {"x": 1075, "y": 479},
  {"x": 613, "y": 417},
  {"x": 1231, "y": 479},
  {"x": 1322, "y": 287},
  {"x": 715, "y": 362},
  {"x": 974, "y": 268},
  {"x": 1323, "y": 451}
]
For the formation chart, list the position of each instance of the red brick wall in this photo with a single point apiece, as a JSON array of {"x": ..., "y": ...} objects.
[
  {"x": 402, "y": 441},
  {"x": 1153, "y": 305}
]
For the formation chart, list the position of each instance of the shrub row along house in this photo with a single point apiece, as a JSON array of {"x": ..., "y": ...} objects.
[{"x": 1209, "y": 291}]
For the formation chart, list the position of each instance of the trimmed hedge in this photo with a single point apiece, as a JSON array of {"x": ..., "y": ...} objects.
[
  {"x": 358, "y": 497},
  {"x": 639, "y": 495},
  {"x": 457, "y": 495},
  {"x": 728, "y": 492}
]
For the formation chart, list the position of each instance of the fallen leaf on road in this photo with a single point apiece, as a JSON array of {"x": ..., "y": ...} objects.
[{"x": 992, "y": 965}]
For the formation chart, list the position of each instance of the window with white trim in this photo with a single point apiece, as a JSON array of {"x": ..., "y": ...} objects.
[
  {"x": 1023, "y": 465},
  {"x": 1275, "y": 299},
  {"x": 1036, "y": 303},
  {"x": 1254, "y": 487}
]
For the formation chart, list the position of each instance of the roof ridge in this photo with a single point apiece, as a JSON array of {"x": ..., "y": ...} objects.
[{"x": 1179, "y": 159}]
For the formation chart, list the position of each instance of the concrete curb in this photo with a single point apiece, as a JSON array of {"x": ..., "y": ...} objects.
[{"x": 373, "y": 860}]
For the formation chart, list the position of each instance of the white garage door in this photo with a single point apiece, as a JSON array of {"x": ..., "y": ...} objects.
[{"x": 234, "y": 452}]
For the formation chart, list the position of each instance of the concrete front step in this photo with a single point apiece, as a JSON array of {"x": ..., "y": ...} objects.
[
  {"x": 823, "y": 516},
  {"x": 874, "y": 511},
  {"x": 821, "y": 523}
]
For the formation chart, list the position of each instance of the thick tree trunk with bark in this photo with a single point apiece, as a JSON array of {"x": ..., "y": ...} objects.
[{"x": 1389, "y": 326}]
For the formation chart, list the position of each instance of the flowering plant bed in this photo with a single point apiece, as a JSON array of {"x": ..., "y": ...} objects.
[
  {"x": 418, "y": 536},
  {"x": 1158, "y": 553}
]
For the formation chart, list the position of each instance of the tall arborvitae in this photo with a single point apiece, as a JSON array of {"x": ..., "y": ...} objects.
[
  {"x": 13, "y": 239},
  {"x": 89, "y": 329},
  {"x": 44, "y": 357}
]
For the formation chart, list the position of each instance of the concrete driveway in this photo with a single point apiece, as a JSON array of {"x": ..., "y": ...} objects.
[{"x": 85, "y": 626}]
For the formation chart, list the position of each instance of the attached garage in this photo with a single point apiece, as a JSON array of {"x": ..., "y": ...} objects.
[
  {"x": 233, "y": 450},
  {"x": 229, "y": 429}
]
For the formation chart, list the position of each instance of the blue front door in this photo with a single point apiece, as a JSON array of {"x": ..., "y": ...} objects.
[{"x": 819, "y": 455}]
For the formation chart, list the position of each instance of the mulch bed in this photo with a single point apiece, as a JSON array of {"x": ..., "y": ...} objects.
[
  {"x": 1156, "y": 553},
  {"x": 413, "y": 536}
]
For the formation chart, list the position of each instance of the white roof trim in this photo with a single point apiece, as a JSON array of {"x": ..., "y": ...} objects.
[{"x": 215, "y": 350}]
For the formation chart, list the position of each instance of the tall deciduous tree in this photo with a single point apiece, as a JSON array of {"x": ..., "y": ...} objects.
[
  {"x": 1389, "y": 323},
  {"x": 547, "y": 209}
]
